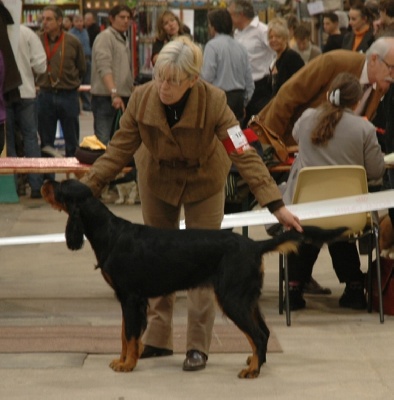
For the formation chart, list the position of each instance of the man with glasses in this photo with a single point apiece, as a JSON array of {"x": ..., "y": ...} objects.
[{"x": 308, "y": 88}]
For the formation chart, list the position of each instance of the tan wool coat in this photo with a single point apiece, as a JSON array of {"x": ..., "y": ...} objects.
[
  {"x": 194, "y": 145},
  {"x": 308, "y": 89}
]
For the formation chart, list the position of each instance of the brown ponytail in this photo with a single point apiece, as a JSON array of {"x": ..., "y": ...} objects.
[{"x": 344, "y": 92}]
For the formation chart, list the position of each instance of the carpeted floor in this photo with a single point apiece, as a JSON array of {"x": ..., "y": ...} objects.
[{"x": 106, "y": 339}]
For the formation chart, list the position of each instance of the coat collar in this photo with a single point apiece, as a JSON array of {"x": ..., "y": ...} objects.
[
  {"x": 151, "y": 111},
  {"x": 117, "y": 34}
]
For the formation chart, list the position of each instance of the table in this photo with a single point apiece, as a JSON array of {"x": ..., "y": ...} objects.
[{"x": 22, "y": 165}]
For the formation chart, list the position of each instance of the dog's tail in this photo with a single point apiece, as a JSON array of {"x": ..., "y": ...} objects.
[{"x": 289, "y": 241}]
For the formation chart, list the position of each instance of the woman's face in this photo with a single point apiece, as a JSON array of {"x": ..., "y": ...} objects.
[
  {"x": 171, "y": 89},
  {"x": 170, "y": 25},
  {"x": 276, "y": 41},
  {"x": 356, "y": 20}
]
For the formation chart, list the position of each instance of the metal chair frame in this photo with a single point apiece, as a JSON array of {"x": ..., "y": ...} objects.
[{"x": 323, "y": 183}]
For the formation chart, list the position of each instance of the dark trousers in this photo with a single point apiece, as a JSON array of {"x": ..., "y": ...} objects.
[
  {"x": 345, "y": 260},
  {"x": 22, "y": 114},
  {"x": 103, "y": 116},
  {"x": 261, "y": 96},
  {"x": 235, "y": 100},
  {"x": 63, "y": 106}
]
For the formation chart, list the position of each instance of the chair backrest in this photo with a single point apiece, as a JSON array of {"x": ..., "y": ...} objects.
[{"x": 328, "y": 182}]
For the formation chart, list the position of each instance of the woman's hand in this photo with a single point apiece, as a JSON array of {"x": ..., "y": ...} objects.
[{"x": 287, "y": 219}]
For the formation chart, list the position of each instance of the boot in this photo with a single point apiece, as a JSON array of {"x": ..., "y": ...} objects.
[
  {"x": 353, "y": 296},
  {"x": 296, "y": 298}
]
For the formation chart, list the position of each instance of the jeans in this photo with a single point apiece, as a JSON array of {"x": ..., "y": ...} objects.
[
  {"x": 104, "y": 116},
  {"x": 62, "y": 105},
  {"x": 23, "y": 115},
  {"x": 85, "y": 96}
]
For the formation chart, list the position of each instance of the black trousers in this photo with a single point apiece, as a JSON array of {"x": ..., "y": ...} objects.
[
  {"x": 345, "y": 261},
  {"x": 235, "y": 100},
  {"x": 261, "y": 96}
]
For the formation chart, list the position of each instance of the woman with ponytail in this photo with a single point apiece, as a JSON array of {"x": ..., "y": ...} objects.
[{"x": 334, "y": 135}]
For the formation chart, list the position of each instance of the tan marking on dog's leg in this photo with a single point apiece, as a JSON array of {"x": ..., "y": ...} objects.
[
  {"x": 115, "y": 363},
  {"x": 253, "y": 369},
  {"x": 130, "y": 353}
]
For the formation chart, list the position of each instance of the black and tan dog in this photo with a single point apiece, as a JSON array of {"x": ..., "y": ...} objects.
[{"x": 140, "y": 262}]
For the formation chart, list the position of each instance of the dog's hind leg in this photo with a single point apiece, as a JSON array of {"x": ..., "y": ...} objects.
[
  {"x": 263, "y": 326},
  {"x": 255, "y": 330}
]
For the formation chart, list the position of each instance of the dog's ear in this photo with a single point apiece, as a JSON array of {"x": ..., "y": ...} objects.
[
  {"x": 72, "y": 194},
  {"x": 74, "y": 229}
]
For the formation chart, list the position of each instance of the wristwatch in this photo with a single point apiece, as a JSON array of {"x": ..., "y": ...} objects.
[{"x": 114, "y": 92}]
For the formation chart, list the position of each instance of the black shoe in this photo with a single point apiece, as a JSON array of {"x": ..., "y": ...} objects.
[
  {"x": 313, "y": 287},
  {"x": 353, "y": 296},
  {"x": 151, "y": 351},
  {"x": 195, "y": 360},
  {"x": 36, "y": 194},
  {"x": 296, "y": 299}
]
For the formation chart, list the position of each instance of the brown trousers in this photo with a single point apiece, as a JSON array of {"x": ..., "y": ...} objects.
[{"x": 201, "y": 305}]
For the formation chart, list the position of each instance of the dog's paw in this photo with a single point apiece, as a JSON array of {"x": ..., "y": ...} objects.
[
  {"x": 118, "y": 365},
  {"x": 249, "y": 373}
]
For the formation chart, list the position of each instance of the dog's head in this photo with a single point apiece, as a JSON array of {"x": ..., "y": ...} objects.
[{"x": 68, "y": 196}]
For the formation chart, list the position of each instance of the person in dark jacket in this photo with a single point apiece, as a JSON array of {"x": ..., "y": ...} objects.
[
  {"x": 361, "y": 36},
  {"x": 287, "y": 61},
  {"x": 331, "y": 28}
]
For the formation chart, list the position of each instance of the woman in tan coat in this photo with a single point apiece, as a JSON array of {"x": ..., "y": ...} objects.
[{"x": 178, "y": 126}]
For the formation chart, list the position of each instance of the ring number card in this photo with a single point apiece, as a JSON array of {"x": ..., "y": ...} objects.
[{"x": 238, "y": 138}]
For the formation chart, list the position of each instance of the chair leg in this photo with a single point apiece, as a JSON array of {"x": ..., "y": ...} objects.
[
  {"x": 378, "y": 273},
  {"x": 245, "y": 207},
  {"x": 287, "y": 297},
  {"x": 281, "y": 280},
  {"x": 370, "y": 272}
]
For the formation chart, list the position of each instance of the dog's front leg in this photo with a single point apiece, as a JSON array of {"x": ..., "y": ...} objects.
[{"x": 131, "y": 351}]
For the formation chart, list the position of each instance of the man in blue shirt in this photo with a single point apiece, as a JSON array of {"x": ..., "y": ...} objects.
[{"x": 226, "y": 64}]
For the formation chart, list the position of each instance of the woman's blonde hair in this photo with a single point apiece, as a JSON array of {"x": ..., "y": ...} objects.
[
  {"x": 178, "y": 57},
  {"x": 345, "y": 92},
  {"x": 279, "y": 26}
]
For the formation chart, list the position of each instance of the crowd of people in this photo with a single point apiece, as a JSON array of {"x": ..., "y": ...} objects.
[{"x": 185, "y": 127}]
